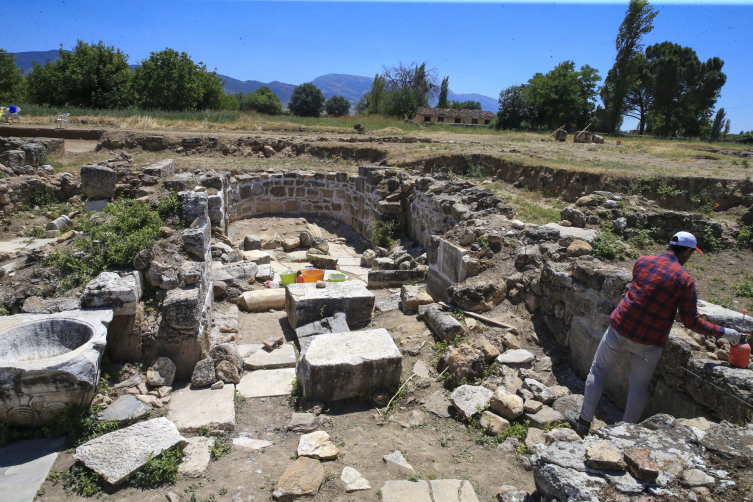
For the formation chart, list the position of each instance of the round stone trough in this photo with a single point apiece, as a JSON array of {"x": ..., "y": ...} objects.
[{"x": 48, "y": 362}]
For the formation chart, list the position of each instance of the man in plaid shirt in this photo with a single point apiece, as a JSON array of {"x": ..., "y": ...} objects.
[{"x": 640, "y": 325}]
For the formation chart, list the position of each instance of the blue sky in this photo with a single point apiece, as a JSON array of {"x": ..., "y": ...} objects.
[{"x": 483, "y": 47}]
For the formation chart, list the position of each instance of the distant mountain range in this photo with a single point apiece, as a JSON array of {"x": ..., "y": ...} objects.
[{"x": 352, "y": 87}]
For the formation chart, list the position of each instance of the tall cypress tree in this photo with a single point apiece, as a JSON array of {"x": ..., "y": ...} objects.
[{"x": 443, "y": 92}]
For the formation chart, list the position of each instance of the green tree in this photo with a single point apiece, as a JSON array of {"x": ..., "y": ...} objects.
[
  {"x": 464, "y": 105},
  {"x": 306, "y": 101},
  {"x": 640, "y": 93},
  {"x": 444, "y": 90},
  {"x": 400, "y": 103},
  {"x": 337, "y": 106},
  {"x": 11, "y": 78},
  {"x": 717, "y": 126},
  {"x": 422, "y": 82},
  {"x": 90, "y": 76},
  {"x": 376, "y": 95},
  {"x": 170, "y": 80},
  {"x": 685, "y": 90},
  {"x": 727, "y": 127},
  {"x": 262, "y": 100},
  {"x": 513, "y": 108},
  {"x": 362, "y": 108},
  {"x": 563, "y": 95},
  {"x": 638, "y": 21}
]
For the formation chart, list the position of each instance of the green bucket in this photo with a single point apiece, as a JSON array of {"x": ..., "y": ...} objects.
[
  {"x": 336, "y": 277},
  {"x": 288, "y": 277}
]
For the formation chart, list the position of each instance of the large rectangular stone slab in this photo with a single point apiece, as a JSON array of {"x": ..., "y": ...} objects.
[
  {"x": 306, "y": 303},
  {"x": 343, "y": 365},
  {"x": 24, "y": 467},
  {"x": 283, "y": 357},
  {"x": 117, "y": 454},
  {"x": 267, "y": 383},
  {"x": 406, "y": 491},
  {"x": 191, "y": 409},
  {"x": 392, "y": 278}
]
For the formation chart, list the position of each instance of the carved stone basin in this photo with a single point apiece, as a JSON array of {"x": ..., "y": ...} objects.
[{"x": 48, "y": 362}]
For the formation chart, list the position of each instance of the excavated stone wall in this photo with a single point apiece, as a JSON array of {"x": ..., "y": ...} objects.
[{"x": 576, "y": 299}]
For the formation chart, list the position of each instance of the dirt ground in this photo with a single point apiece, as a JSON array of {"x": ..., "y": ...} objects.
[{"x": 639, "y": 156}]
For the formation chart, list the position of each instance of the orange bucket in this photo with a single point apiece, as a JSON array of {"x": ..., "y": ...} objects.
[
  {"x": 312, "y": 275},
  {"x": 619, "y": 142}
]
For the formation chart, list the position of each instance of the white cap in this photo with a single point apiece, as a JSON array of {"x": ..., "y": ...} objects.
[{"x": 685, "y": 239}]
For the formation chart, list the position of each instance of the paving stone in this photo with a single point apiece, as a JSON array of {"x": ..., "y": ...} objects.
[
  {"x": 246, "y": 349},
  {"x": 196, "y": 456},
  {"x": 124, "y": 409},
  {"x": 544, "y": 416},
  {"x": 302, "y": 479},
  {"x": 452, "y": 490},
  {"x": 338, "y": 366},
  {"x": 24, "y": 467},
  {"x": 406, "y": 491},
  {"x": 306, "y": 303},
  {"x": 191, "y": 409},
  {"x": 354, "y": 480},
  {"x": 117, "y": 454},
  {"x": 283, "y": 357},
  {"x": 397, "y": 463},
  {"x": 252, "y": 444},
  {"x": 267, "y": 383},
  {"x": 439, "y": 404},
  {"x": 603, "y": 455},
  {"x": 517, "y": 358},
  {"x": 470, "y": 400},
  {"x": 303, "y": 422},
  {"x": 317, "y": 445}
]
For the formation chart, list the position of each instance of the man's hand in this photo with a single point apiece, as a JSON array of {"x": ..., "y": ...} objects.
[{"x": 732, "y": 335}]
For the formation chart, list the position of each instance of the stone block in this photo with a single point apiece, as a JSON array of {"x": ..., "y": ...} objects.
[
  {"x": 262, "y": 299},
  {"x": 322, "y": 261},
  {"x": 393, "y": 278},
  {"x": 343, "y": 365},
  {"x": 413, "y": 297},
  {"x": 257, "y": 256},
  {"x": 161, "y": 169},
  {"x": 117, "y": 454},
  {"x": 470, "y": 400},
  {"x": 109, "y": 290},
  {"x": 191, "y": 409},
  {"x": 306, "y": 303},
  {"x": 196, "y": 456},
  {"x": 182, "y": 308},
  {"x": 98, "y": 182}
]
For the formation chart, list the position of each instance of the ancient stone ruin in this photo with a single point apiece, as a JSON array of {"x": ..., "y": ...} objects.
[{"x": 432, "y": 305}]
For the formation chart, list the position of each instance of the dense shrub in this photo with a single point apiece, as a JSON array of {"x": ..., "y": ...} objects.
[
  {"x": 110, "y": 240},
  {"x": 337, "y": 106},
  {"x": 306, "y": 101}
]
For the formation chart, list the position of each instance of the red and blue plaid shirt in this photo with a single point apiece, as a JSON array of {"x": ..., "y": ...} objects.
[{"x": 660, "y": 286}]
